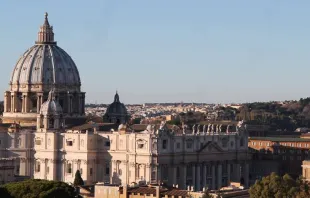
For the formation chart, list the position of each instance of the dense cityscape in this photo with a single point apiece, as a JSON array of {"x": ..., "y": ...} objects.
[{"x": 55, "y": 144}]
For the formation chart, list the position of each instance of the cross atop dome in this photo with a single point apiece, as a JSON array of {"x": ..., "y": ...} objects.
[{"x": 46, "y": 34}]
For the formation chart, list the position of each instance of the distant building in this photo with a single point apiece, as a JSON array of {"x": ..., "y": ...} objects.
[
  {"x": 116, "y": 112},
  {"x": 277, "y": 154}
]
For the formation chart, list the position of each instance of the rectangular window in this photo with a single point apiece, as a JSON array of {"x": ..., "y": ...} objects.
[
  {"x": 164, "y": 144},
  {"x": 91, "y": 171},
  {"x": 107, "y": 143},
  {"x": 69, "y": 168},
  {"x": 47, "y": 169},
  {"x": 153, "y": 176},
  {"x": 178, "y": 145},
  {"x": 17, "y": 170},
  {"x": 69, "y": 143},
  {"x": 107, "y": 170},
  {"x": 188, "y": 144},
  {"x": 81, "y": 171},
  {"x": 37, "y": 167}
]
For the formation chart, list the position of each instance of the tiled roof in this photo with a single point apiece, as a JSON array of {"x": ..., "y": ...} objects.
[{"x": 176, "y": 192}]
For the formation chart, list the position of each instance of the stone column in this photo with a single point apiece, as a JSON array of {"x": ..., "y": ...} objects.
[
  {"x": 198, "y": 178},
  {"x": 174, "y": 175},
  {"x": 183, "y": 176},
  {"x": 39, "y": 102},
  {"x": 132, "y": 172},
  {"x": 194, "y": 176},
  {"x": 213, "y": 176},
  {"x": 204, "y": 176},
  {"x": 159, "y": 179},
  {"x": 23, "y": 103},
  {"x": 219, "y": 176},
  {"x": 228, "y": 173},
  {"x": 236, "y": 172},
  {"x": 6, "y": 103},
  {"x": 246, "y": 175},
  {"x": 26, "y": 103},
  {"x": 148, "y": 173},
  {"x": 69, "y": 102}
]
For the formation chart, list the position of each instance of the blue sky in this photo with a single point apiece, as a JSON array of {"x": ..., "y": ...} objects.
[{"x": 171, "y": 50}]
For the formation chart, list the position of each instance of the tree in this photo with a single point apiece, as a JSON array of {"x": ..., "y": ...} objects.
[
  {"x": 78, "y": 181},
  {"x": 36, "y": 188},
  {"x": 275, "y": 186}
]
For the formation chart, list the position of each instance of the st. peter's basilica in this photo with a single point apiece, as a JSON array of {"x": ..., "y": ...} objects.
[{"x": 47, "y": 138}]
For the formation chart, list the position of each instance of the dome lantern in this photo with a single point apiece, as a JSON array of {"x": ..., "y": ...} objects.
[{"x": 46, "y": 34}]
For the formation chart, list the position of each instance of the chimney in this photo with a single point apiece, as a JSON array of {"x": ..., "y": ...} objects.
[
  {"x": 192, "y": 188},
  {"x": 177, "y": 186},
  {"x": 173, "y": 185},
  {"x": 203, "y": 189},
  {"x": 157, "y": 192},
  {"x": 188, "y": 188}
]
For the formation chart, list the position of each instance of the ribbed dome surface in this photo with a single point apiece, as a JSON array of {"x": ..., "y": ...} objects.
[{"x": 45, "y": 64}]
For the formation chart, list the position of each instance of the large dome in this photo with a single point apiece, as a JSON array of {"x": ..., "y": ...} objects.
[
  {"x": 45, "y": 64},
  {"x": 43, "y": 67}
]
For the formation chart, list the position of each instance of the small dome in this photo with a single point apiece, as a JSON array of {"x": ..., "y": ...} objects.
[
  {"x": 116, "y": 107},
  {"x": 51, "y": 106}
]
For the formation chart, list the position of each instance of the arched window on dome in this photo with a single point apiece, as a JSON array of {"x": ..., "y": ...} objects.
[
  {"x": 33, "y": 104},
  {"x": 41, "y": 121},
  {"x": 51, "y": 123}
]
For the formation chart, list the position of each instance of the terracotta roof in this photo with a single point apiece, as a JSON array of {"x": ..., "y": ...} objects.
[
  {"x": 176, "y": 192},
  {"x": 101, "y": 126}
]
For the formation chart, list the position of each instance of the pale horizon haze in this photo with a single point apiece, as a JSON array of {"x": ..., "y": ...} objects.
[{"x": 171, "y": 50}]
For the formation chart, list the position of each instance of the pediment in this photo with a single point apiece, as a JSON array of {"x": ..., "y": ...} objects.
[{"x": 210, "y": 147}]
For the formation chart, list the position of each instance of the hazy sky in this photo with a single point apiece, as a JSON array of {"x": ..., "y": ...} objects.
[{"x": 171, "y": 50}]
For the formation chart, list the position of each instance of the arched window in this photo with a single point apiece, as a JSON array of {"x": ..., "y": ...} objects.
[
  {"x": 37, "y": 166},
  {"x": 51, "y": 123},
  {"x": 241, "y": 142},
  {"x": 69, "y": 168},
  {"x": 189, "y": 144},
  {"x": 41, "y": 121}
]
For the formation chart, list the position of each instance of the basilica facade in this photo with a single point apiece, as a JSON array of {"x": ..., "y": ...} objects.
[{"x": 45, "y": 99}]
